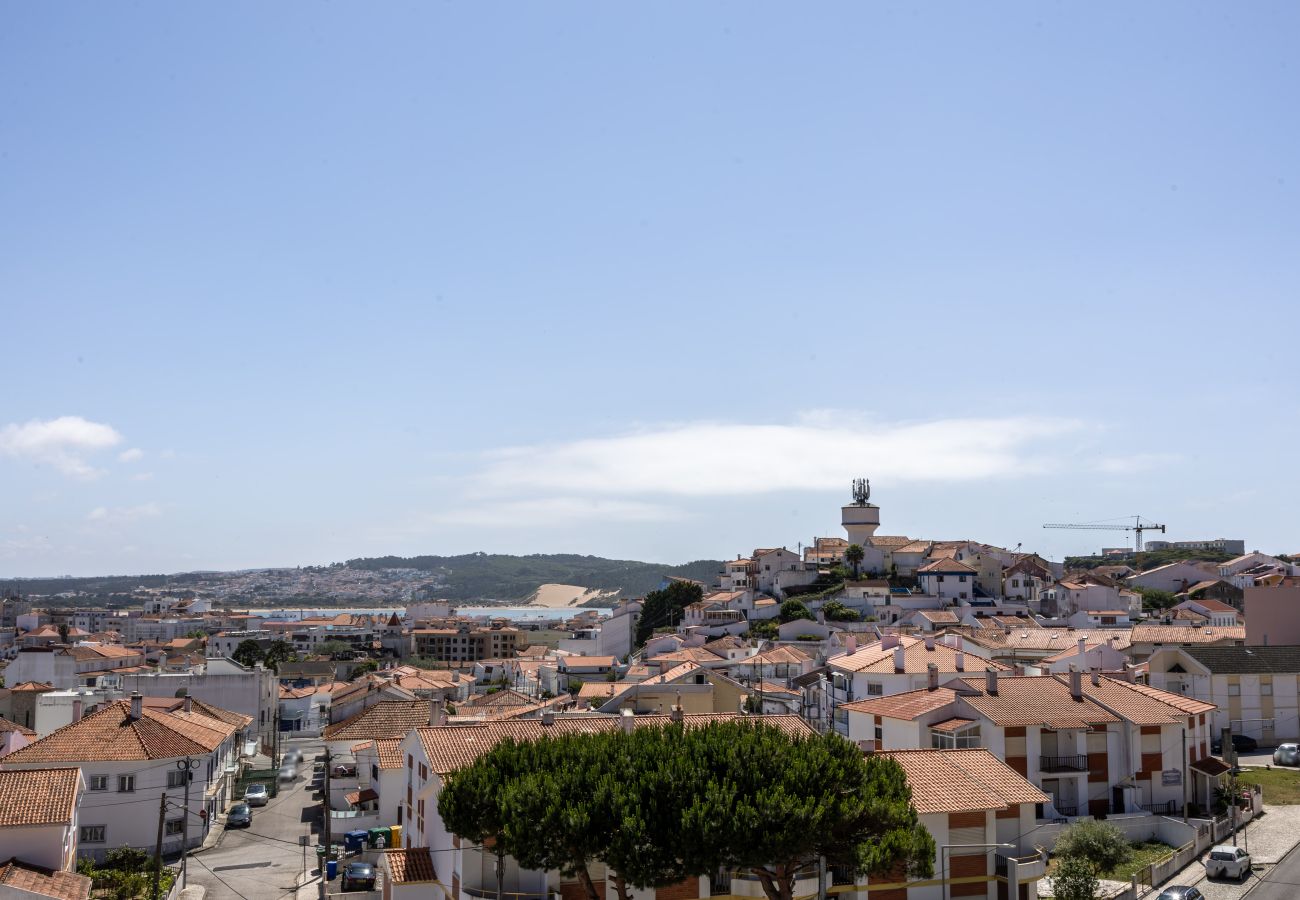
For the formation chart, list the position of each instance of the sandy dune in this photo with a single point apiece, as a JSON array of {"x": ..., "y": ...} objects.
[{"x": 558, "y": 596}]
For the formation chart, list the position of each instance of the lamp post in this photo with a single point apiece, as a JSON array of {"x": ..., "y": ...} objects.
[{"x": 186, "y": 766}]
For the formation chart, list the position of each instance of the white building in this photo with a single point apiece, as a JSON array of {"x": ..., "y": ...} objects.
[
  {"x": 128, "y": 753},
  {"x": 38, "y": 817},
  {"x": 222, "y": 683}
]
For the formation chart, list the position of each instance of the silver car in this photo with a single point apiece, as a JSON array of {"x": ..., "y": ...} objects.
[
  {"x": 1287, "y": 755},
  {"x": 256, "y": 795}
]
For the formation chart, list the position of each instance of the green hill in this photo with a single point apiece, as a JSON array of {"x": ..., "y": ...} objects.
[{"x": 479, "y": 576}]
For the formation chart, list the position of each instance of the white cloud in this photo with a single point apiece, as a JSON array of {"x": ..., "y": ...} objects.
[
  {"x": 551, "y": 510},
  {"x": 1138, "y": 462},
  {"x": 62, "y": 443},
  {"x": 123, "y": 515},
  {"x": 823, "y": 451},
  {"x": 132, "y": 455}
]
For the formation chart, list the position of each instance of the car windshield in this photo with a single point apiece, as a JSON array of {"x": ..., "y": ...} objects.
[
  {"x": 360, "y": 868},
  {"x": 1223, "y": 854},
  {"x": 1288, "y": 748},
  {"x": 256, "y": 789},
  {"x": 240, "y": 810}
]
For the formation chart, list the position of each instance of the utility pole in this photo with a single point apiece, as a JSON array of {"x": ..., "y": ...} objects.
[
  {"x": 157, "y": 850},
  {"x": 325, "y": 810},
  {"x": 185, "y": 765}
]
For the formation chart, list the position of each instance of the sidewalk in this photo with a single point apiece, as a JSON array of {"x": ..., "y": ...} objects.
[{"x": 1268, "y": 838}]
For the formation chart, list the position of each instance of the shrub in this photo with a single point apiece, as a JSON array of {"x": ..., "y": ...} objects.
[
  {"x": 1074, "y": 880},
  {"x": 1101, "y": 844}
]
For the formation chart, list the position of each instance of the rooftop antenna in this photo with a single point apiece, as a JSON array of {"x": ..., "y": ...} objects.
[{"x": 861, "y": 491}]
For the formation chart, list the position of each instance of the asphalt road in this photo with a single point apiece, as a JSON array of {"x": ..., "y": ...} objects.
[
  {"x": 263, "y": 862},
  {"x": 1282, "y": 882}
]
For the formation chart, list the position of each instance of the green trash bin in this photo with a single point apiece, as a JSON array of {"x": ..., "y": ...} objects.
[{"x": 378, "y": 834}]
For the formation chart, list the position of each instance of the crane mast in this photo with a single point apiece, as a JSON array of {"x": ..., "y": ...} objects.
[{"x": 1137, "y": 528}]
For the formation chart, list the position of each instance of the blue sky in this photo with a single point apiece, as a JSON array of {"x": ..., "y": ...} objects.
[{"x": 292, "y": 283}]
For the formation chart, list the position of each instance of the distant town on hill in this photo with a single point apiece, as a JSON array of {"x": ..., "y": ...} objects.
[{"x": 386, "y": 580}]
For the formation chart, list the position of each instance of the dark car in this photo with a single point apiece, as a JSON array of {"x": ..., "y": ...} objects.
[
  {"x": 240, "y": 816},
  {"x": 1179, "y": 892},
  {"x": 358, "y": 876},
  {"x": 1240, "y": 742}
]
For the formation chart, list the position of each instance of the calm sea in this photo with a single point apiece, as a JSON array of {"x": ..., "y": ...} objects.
[{"x": 514, "y": 613}]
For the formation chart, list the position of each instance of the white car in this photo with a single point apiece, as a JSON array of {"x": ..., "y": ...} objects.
[
  {"x": 288, "y": 773},
  {"x": 1226, "y": 861},
  {"x": 256, "y": 795}
]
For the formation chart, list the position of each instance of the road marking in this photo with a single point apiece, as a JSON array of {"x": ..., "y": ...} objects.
[{"x": 256, "y": 865}]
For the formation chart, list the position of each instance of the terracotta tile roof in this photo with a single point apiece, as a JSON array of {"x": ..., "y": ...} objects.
[
  {"x": 777, "y": 656},
  {"x": 944, "y": 566},
  {"x": 389, "y": 751},
  {"x": 40, "y": 686},
  {"x": 288, "y": 693},
  {"x": 354, "y": 797},
  {"x": 412, "y": 866},
  {"x": 387, "y": 718},
  {"x": 947, "y": 781},
  {"x": 586, "y": 662},
  {"x": 1025, "y": 638},
  {"x": 1035, "y": 700},
  {"x": 724, "y": 643},
  {"x": 1187, "y": 634},
  {"x": 239, "y": 720},
  {"x": 600, "y": 689},
  {"x": 450, "y": 747},
  {"x": 6, "y": 725},
  {"x": 38, "y": 796},
  {"x": 916, "y": 658},
  {"x": 31, "y": 879},
  {"x": 940, "y": 616},
  {"x": 907, "y": 705},
  {"x": 1211, "y": 766},
  {"x": 913, "y": 547},
  {"x": 890, "y": 540},
  {"x": 110, "y": 734},
  {"x": 1143, "y": 704},
  {"x": 956, "y": 723},
  {"x": 688, "y": 654},
  {"x": 507, "y": 697}
]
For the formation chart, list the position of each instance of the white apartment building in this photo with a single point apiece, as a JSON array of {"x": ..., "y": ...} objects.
[
  {"x": 1255, "y": 690},
  {"x": 128, "y": 753},
  {"x": 222, "y": 683}
]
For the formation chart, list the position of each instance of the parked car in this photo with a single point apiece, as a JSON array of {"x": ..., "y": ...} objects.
[
  {"x": 240, "y": 816},
  {"x": 1226, "y": 861},
  {"x": 288, "y": 773},
  {"x": 1287, "y": 755},
  {"x": 358, "y": 876},
  {"x": 1180, "y": 892},
  {"x": 1240, "y": 742},
  {"x": 256, "y": 795},
  {"x": 292, "y": 755}
]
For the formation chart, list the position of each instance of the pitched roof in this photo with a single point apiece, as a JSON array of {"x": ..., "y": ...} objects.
[
  {"x": 386, "y": 719},
  {"x": 939, "y": 616},
  {"x": 111, "y": 734},
  {"x": 1026, "y": 638},
  {"x": 1148, "y": 706},
  {"x": 31, "y": 879},
  {"x": 889, "y": 540},
  {"x": 586, "y": 662},
  {"x": 451, "y": 747},
  {"x": 1210, "y": 603},
  {"x": 777, "y": 656},
  {"x": 956, "y": 723},
  {"x": 387, "y": 750},
  {"x": 916, "y": 658},
  {"x": 946, "y": 781},
  {"x": 943, "y": 566},
  {"x": 38, "y": 796},
  {"x": 688, "y": 654},
  {"x": 503, "y": 697},
  {"x": 410, "y": 866},
  {"x": 907, "y": 705},
  {"x": 6, "y": 725},
  {"x": 1035, "y": 700},
  {"x": 1187, "y": 634},
  {"x": 1211, "y": 766},
  {"x": 1279, "y": 659},
  {"x": 40, "y": 686}
]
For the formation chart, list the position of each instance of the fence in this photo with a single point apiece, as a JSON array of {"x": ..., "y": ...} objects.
[{"x": 268, "y": 777}]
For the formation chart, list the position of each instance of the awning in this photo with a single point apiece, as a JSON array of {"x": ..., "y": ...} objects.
[
  {"x": 354, "y": 797},
  {"x": 1211, "y": 766}
]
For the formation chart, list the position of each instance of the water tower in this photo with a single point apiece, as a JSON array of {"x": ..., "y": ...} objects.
[{"x": 860, "y": 518}]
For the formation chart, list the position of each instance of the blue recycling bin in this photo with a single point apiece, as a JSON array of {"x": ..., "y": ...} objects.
[
  {"x": 355, "y": 840},
  {"x": 331, "y": 869}
]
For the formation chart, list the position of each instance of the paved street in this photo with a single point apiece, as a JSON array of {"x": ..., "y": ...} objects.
[{"x": 263, "y": 862}]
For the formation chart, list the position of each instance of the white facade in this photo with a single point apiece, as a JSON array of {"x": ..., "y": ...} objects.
[{"x": 252, "y": 692}]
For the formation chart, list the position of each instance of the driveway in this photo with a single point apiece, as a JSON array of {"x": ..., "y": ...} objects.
[{"x": 264, "y": 861}]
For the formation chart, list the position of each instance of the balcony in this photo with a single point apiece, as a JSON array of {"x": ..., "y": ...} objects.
[
  {"x": 1063, "y": 763},
  {"x": 1168, "y": 808},
  {"x": 1027, "y": 868},
  {"x": 490, "y": 893}
]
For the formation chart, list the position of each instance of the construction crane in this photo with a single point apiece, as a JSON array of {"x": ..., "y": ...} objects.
[{"x": 1137, "y": 527}]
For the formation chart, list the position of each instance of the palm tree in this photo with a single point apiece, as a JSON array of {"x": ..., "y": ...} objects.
[{"x": 854, "y": 555}]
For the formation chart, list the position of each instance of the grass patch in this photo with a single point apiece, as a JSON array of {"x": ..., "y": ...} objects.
[
  {"x": 1144, "y": 854},
  {"x": 1281, "y": 786}
]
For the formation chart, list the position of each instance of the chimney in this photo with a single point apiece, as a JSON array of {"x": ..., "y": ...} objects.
[
  {"x": 675, "y": 713},
  {"x": 1076, "y": 683},
  {"x": 932, "y": 675},
  {"x": 455, "y": 676},
  {"x": 189, "y": 707},
  {"x": 991, "y": 681},
  {"x": 929, "y": 642},
  {"x": 548, "y": 716},
  {"x": 851, "y": 644},
  {"x": 137, "y": 706},
  {"x": 162, "y": 660},
  {"x": 626, "y": 720},
  {"x": 1083, "y": 646},
  {"x": 76, "y": 710},
  {"x": 960, "y": 659},
  {"x": 397, "y": 679},
  {"x": 437, "y": 714},
  {"x": 1096, "y": 676},
  {"x": 900, "y": 659},
  {"x": 807, "y": 665},
  {"x": 888, "y": 641}
]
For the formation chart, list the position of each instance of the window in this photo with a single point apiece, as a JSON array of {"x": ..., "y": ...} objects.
[
  {"x": 941, "y": 578},
  {"x": 875, "y": 690},
  {"x": 961, "y": 578},
  {"x": 410, "y": 761},
  {"x": 92, "y": 834},
  {"x": 175, "y": 827},
  {"x": 1266, "y": 689},
  {"x": 176, "y": 778},
  {"x": 424, "y": 772},
  {"x": 1234, "y": 690},
  {"x": 965, "y": 739},
  {"x": 125, "y": 784},
  {"x": 99, "y": 782},
  {"x": 879, "y": 735}
]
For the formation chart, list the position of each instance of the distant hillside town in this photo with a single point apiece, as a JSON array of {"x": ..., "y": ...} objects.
[{"x": 1053, "y": 694}]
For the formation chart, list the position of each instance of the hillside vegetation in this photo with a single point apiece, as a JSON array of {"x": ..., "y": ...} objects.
[
  {"x": 478, "y": 576},
  {"x": 1147, "y": 559}
]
